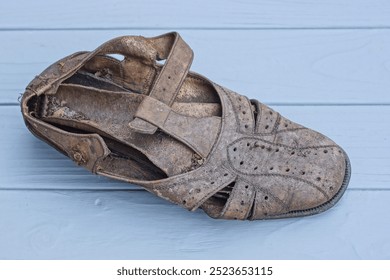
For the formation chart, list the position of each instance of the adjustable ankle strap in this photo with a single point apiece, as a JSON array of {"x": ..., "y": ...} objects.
[
  {"x": 155, "y": 110},
  {"x": 197, "y": 133},
  {"x": 178, "y": 57}
]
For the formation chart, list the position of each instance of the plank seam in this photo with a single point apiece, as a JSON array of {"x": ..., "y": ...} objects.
[
  {"x": 298, "y": 104},
  {"x": 215, "y": 28},
  {"x": 143, "y": 190}
]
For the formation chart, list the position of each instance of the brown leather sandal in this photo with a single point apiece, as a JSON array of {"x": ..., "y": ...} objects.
[{"x": 181, "y": 136}]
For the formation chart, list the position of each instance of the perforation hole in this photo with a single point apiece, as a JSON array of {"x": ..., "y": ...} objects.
[
  {"x": 246, "y": 186},
  {"x": 212, "y": 183},
  {"x": 267, "y": 126},
  {"x": 292, "y": 153},
  {"x": 255, "y": 168},
  {"x": 287, "y": 169},
  {"x": 244, "y": 112},
  {"x": 271, "y": 168},
  {"x": 225, "y": 174},
  {"x": 248, "y": 144},
  {"x": 325, "y": 151},
  {"x": 241, "y": 162},
  {"x": 234, "y": 149},
  {"x": 266, "y": 197}
]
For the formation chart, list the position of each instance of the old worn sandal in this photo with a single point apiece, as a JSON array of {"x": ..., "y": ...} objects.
[{"x": 181, "y": 136}]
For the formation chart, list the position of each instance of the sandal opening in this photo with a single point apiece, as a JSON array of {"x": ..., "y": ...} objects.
[{"x": 139, "y": 167}]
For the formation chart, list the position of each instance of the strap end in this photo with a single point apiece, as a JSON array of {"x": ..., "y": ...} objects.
[{"x": 141, "y": 126}]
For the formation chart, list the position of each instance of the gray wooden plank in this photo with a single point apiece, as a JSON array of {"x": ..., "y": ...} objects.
[
  {"x": 194, "y": 14},
  {"x": 138, "y": 225},
  {"x": 28, "y": 163},
  {"x": 301, "y": 66}
]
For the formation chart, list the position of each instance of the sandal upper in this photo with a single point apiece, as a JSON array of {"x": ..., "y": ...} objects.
[{"x": 235, "y": 158}]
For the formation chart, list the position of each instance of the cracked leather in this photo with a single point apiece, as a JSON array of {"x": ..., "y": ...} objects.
[{"x": 181, "y": 136}]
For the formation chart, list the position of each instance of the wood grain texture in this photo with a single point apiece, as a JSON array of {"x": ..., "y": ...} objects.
[
  {"x": 301, "y": 67},
  {"x": 138, "y": 225},
  {"x": 194, "y": 14},
  {"x": 29, "y": 163}
]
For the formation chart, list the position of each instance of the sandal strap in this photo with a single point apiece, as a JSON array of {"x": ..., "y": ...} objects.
[
  {"x": 155, "y": 111},
  {"x": 162, "y": 116},
  {"x": 169, "y": 81},
  {"x": 240, "y": 201}
]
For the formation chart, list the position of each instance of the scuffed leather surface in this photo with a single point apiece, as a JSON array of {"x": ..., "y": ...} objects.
[{"x": 235, "y": 158}]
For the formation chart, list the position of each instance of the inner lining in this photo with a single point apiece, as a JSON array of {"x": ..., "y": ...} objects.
[{"x": 102, "y": 98}]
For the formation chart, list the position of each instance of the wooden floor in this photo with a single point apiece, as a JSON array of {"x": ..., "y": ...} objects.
[{"x": 322, "y": 63}]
